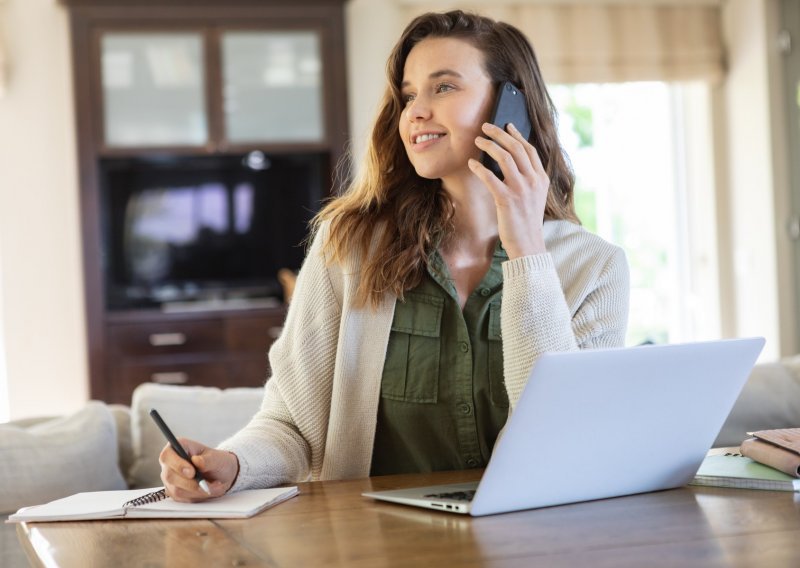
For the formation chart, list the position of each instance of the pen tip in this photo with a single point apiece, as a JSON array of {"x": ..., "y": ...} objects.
[{"x": 204, "y": 486}]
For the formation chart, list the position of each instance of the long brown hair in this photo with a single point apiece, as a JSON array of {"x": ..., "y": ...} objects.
[{"x": 392, "y": 217}]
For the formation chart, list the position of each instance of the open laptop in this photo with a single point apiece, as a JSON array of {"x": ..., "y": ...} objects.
[{"x": 603, "y": 423}]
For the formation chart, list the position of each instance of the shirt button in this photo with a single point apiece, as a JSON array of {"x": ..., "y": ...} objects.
[
  {"x": 485, "y": 292},
  {"x": 464, "y": 346},
  {"x": 465, "y": 408},
  {"x": 472, "y": 462}
]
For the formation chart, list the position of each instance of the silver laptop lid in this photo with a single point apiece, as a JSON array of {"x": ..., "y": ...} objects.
[{"x": 602, "y": 423}]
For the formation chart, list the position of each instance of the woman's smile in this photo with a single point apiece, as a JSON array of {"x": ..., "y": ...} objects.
[{"x": 425, "y": 140}]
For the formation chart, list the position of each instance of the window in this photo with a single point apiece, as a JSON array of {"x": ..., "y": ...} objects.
[{"x": 644, "y": 183}]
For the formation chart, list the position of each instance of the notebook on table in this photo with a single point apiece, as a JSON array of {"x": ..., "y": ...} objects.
[
  {"x": 741, "y": 472},
  {"x": 152, "y": 504},
  {"x": 603, "y": 423}
]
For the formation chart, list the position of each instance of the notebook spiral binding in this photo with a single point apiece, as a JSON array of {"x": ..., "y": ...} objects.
[{"x": 159, "y": 495}]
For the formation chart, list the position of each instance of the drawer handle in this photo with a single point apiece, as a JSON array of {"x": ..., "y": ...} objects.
[
  {"x": 176, "y": 378},
  {"x": 166, "y": 339}
]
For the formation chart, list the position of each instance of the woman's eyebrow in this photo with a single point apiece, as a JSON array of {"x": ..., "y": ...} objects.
[{"x": 436, "y": 75}]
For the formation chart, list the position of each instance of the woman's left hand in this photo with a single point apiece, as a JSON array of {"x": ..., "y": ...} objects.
[{"x": 521, "y": 196}]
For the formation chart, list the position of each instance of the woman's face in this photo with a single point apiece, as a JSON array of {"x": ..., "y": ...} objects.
[{"x": 447, "y": 95}]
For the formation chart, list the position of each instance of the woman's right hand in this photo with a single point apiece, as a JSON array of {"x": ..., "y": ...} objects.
[
  {"x": 218, "y": 467},
  {"x": 521, "y": 197}
]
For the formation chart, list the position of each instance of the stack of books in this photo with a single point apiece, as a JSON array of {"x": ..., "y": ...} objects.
[{"x": 769, "y": 460}]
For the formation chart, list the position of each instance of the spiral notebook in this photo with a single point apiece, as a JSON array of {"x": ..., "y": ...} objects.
[{"x": 152, "y": 503}]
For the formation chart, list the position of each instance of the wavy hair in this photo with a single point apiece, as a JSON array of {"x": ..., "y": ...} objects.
[{"x": 394, "y": 219}]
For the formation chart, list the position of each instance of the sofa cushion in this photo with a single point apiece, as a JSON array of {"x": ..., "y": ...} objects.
[
  {"x": 58, "y": 457},
  {"x": 205, "y": 414},
  {"x": 122, "y": 418},
  {"x": 770, "y": 399}
]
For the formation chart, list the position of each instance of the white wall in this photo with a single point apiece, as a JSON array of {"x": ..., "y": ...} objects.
[
  {"x": 757, "y": 185},
  {"x": 780, "y": 167},
  {"x": 41, "y": 286},
  {"x": 372, "y": 28},
  {"x": 4, "y": 403}
]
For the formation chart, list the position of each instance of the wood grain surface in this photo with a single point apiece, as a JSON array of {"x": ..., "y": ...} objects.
[{"x": 331, "y": 524}]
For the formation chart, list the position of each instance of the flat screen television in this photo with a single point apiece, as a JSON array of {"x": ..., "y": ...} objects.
[{"x": 190, "y": 229}]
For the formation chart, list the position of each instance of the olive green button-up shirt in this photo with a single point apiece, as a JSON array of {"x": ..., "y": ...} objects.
[{"x": 443, "y": 400}]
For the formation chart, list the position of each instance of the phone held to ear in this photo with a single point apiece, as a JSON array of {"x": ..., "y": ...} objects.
[{"x": 510, "y": 107}]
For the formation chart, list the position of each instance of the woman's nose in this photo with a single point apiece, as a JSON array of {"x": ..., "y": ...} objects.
[{"x": 418, "y": 109}]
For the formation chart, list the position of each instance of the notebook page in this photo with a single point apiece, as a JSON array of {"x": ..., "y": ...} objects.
[
  {"x": 232, "y": 505},
  {"x": 92, "y": 505}
]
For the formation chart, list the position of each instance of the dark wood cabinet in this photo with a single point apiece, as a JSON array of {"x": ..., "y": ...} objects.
[
  {"x": 249, "y": 83},
  {"x": 222, "y": 350}
]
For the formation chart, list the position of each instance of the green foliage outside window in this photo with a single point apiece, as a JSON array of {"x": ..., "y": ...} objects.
[
  {"x": 586, "y": 207},
  {"x": 582, "y": 123}
]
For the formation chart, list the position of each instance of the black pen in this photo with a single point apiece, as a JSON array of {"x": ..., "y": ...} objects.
[{"x": 173, "y": 441}]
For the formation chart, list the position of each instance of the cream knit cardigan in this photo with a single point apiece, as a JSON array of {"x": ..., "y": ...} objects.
[{"x": 320, "y": 406}]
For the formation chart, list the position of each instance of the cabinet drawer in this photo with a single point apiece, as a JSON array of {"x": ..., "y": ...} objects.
[
  {"x": 215, "y": 373},
  {"x": 165, "y": 338},
  {"x": 124, "y": 378}
]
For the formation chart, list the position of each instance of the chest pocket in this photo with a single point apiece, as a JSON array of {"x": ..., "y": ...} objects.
[
  {"x": 497, "y": 384},
  {"x": 411, "y": 369}
]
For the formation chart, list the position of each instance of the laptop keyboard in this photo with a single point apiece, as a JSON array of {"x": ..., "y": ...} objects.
[{"x": 454, "y": 495}]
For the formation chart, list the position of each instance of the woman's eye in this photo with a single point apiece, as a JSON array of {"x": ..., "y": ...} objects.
[
  {"x": 407, "y": 98},
  {"x": 444, "y": 87}
]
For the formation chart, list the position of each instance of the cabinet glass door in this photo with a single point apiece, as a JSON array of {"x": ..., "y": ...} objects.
[
  {"x": 153, "y": 89},
  {"x": 272, "y": 87}
]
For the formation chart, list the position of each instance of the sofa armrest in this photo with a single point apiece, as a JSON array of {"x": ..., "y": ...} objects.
[
  {"x": 122, "y": 418},
  {"x": 770, "y": 399},
  {"x": 205, "y": 414}
]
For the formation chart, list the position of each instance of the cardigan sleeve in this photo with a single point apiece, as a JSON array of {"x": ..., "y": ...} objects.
[
  {"x": 276, "y": 445},
  {"x": 581, "y": 305}
]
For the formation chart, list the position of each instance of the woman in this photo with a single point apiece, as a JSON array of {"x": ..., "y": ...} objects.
[{"x": 431, "y": 286}]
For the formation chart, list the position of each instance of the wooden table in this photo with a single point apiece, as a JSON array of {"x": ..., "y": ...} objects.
[{"x": 330, "y": 524}]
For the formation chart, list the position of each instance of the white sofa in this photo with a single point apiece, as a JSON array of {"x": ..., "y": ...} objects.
[
  {"x": 105, "y": 447},
  {"x": 770, "y": 399}
]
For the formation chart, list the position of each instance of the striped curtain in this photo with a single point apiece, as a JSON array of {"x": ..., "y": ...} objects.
[{"x": 580, "y": 43}]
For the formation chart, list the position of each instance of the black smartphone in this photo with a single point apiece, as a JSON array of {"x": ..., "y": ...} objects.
[{"x": 509, "y": 107}]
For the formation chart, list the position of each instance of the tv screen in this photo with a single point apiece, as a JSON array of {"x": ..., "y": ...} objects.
[{"x": 194, "y": 229}]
